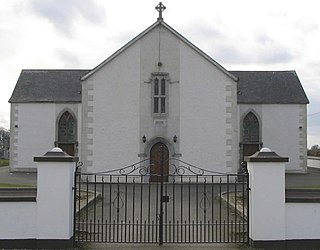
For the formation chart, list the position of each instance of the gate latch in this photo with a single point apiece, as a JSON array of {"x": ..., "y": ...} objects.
[{"x": 165, "y": 198}]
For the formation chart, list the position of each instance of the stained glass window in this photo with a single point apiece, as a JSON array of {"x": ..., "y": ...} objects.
[
  {"x": 66, "y": 129},
  {"x": 250, "y": 128}
]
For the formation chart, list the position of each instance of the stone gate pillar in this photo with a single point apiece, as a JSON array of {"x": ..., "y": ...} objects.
[
  {"x": 55, "y": 198},
  {"x": 267, "y": 198}
]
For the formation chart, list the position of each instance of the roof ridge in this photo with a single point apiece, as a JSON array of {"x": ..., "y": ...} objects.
[
  {"x": 263, "y": 70},
  {"x": 55, "y": 69}
]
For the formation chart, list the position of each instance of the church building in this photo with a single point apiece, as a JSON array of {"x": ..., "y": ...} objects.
[{"x": 158, "y": 90}]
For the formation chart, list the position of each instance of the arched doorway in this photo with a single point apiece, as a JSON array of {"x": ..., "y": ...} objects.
[
  {"x": 67, "y": 133},
  {"x": 159, "y": 162}
]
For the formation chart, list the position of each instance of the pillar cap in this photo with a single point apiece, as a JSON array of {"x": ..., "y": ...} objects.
[
  {"x": 56, "y": 155},
  {"x": 265, "y": 155}
]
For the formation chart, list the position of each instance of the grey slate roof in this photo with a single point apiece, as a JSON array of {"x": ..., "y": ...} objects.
[
  {"x": 48, "y": 86},
  {"x": 254, "y": 87},
  {"x": 269, "y": 87}
]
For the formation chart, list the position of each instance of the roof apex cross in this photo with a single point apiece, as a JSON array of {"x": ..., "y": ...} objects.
[{"x": 160, "y": 8}]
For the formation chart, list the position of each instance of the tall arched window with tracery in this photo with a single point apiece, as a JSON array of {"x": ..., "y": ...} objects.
[
  {"x": 251, "y": 141},
  {"x": 67, "y": 133},
  {"x": 250, "y": 128}
]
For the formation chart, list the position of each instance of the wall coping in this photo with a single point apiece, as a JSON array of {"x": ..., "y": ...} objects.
[
  {"x": 55, "y": 155},
  {"x": 265, "y": 155},
  {"x": 300, "y": 195},
  {"x": 18, "y": 194},
  {"x": 313, "y": 158}
]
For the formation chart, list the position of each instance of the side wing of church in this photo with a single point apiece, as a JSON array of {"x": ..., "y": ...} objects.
[{"x": 158, "y": 91}]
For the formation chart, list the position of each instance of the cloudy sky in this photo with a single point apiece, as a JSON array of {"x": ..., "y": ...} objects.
[{"x": 240, "y": 35}]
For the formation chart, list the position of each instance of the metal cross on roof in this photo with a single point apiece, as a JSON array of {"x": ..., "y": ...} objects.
[{"x": 160, "y": 8}]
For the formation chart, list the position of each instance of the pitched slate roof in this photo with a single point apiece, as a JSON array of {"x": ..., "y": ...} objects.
[
  {"x": 269, "y": 87},
  {"x": 48, "y": 86},
  {"x": 254, "y": 87}
]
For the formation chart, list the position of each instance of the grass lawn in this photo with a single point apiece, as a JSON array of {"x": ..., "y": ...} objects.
[{"x": 4, "y": 162}]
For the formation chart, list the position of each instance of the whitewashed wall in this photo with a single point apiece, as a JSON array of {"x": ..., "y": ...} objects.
[
  {"x": 33, "y": 129},
  {"x": 302, "y": 220},
  {"x": 18, "y": 220},
  {"x": 117, "y": 107},
  {"x": 283, "y": 129},
  {"x": 51, "y": 215},
  {"x": 164, "y": 127},
  {"x": 111, "y": 113},
  {"x": 273, "y": 221},
  {"x": 207, "y": 139}
]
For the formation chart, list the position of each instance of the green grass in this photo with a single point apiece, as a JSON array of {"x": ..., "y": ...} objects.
[
  {"x": 4, "y": 162},
  {"x": 11, "y": 185}
]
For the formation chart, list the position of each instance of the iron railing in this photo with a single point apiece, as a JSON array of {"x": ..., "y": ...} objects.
[{"x": 193, "y": 206}]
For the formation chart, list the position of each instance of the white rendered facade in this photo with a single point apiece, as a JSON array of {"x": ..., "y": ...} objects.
[
  {"x": 33, "y": 128},
  {"x": 196, "y": 113}
]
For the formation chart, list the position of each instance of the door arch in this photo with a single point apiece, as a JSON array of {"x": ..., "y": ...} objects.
[{"x": 159, "y": 162}]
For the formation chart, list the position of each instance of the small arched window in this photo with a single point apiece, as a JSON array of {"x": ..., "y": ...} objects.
[
  {"x": 250, "y": 129},
  {"x": 67, "y": 128}
]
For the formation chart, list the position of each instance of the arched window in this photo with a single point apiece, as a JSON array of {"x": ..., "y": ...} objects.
[
  {"x": 159, "y": 82},
  {"x": 67, "y": 133},
  {"x": 66, "y": 129},
  {"x": 250, "y": 129}
]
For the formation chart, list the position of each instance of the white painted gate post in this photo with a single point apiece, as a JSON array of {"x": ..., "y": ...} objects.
[
  {"x": 55, "y": 198},
  {"x": 267, "y": 198}
]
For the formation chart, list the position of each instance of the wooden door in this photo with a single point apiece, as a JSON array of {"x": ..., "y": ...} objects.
[
  {"x": 250, "y": 149},
  {"x": 159, "y": 162},
  {"x": 68, "y": 148}
]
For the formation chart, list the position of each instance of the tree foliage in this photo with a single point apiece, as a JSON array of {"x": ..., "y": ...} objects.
[
  {"x": 4, "y": 141},
  {"x": 314, "y": 151}
]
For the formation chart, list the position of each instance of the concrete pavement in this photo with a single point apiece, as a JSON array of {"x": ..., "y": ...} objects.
[
  {"x": 20, "y": 179},
  {"x": 293, "y": 180},
  {"x": 309, "y": 180}
]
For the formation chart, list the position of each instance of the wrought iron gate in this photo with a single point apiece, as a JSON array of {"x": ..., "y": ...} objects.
[{"x": 193, "y": 205}]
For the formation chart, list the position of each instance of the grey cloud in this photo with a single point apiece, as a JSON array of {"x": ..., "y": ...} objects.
[
  {"x": 10, "y": 41},
  {"x": 203, "y": 30},
  {"x": 313, "y": 112},
  {"x": 307, "y": 26},
  {"x": 212, "y": 38},
  {"x": 230, "y": 55},
  {"x": 240, "y": 49},
  {"x": 4, "y": 122},
  {"x": 270, "y": 51},
  {"x": 61, "y": 12},
  {"x": 68, "y": 58},
  {"x": 209, "y": 31},
  {"x": 277, "y": 56}
]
